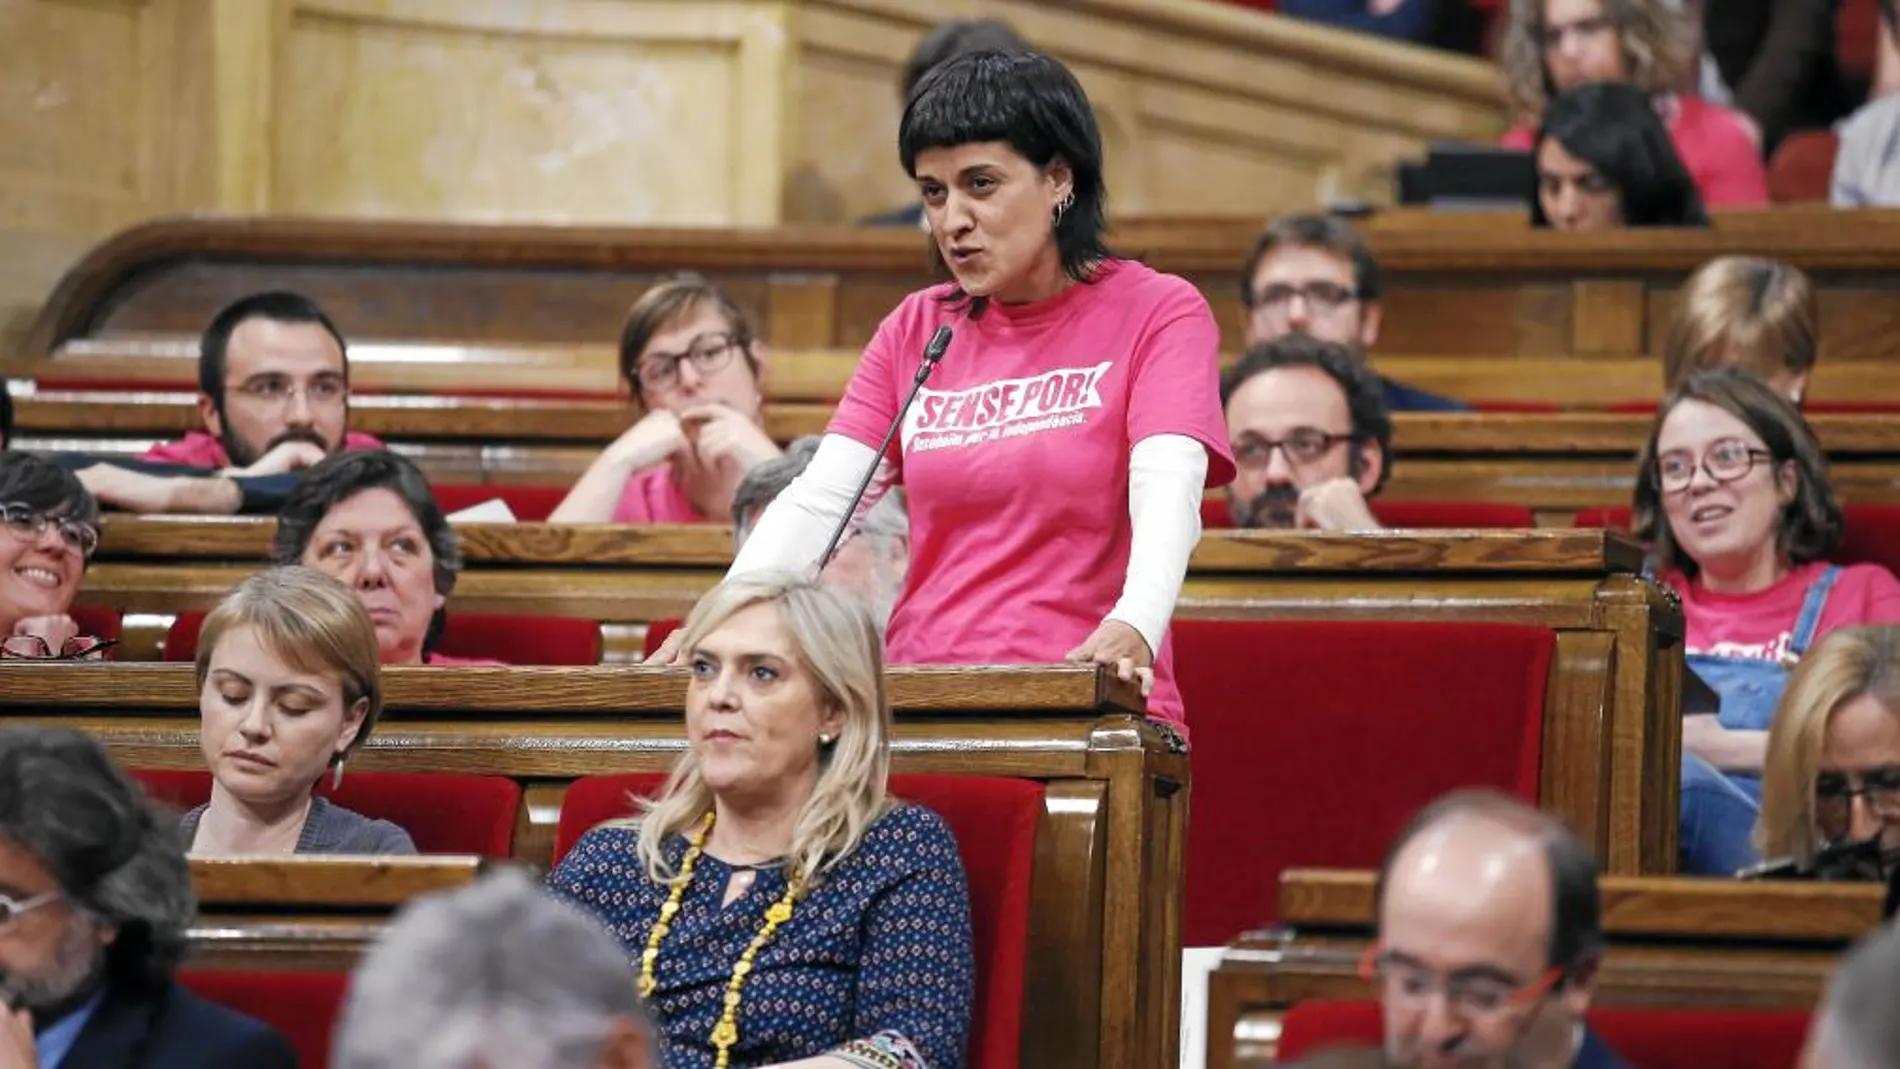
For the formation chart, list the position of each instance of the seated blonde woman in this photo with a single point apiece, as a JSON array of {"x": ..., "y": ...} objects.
[
  {"x": 1830, "y": 794},
  {"x": 1750, "y": 313},
  {"x": 780, "y": 906},
  {"x": 289, "y": 685}
]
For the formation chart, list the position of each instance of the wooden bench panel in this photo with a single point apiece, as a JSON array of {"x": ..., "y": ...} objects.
[
  {"x": 1115, "y": 808},
  {"x": 1674, "y": 943}
]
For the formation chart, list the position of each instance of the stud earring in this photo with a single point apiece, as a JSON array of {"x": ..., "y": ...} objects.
[
  {"x": 824, "y": 740},
  {"x": 336, "y": 774}
]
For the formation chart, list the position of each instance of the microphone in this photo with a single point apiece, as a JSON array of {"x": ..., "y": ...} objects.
[{"x": 933, "y": 353}]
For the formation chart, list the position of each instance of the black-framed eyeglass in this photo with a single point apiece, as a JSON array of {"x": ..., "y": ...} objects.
[
  {"x": 1725, "y": 462},
  {"x": 34, "y": 648},
  {"x": 1318, "y": 293},
  {"x": 1834, "y": 794},
  {"x": 709, "y": 353},
  {"x": 29, "y": 523},
  {"x": 1304, "y": 445},
  {"x": 12, "y": 909}
]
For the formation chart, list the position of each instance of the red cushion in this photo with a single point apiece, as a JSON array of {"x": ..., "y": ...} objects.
[
  {"x": 994, "y": 821},
  {"x": 659, "y": 631},
  {"x": 96, "y": 620},
  {"x": 303, "y": 1006},
  {"x": 1610, "y": 517},
  {"x": 471, "y": 635},
  {"x": 444, "y": 813},
  {"x": 530, "y": 504},
  {"x": 1653, "y": 1039},
  {"x": 1314, "y": 741},
  {"x": 1428, "y": 515},
  {"x": 1802, "y": 168}
]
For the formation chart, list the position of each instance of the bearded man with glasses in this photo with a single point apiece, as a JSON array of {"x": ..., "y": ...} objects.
[
  {"x": 1490, "y": 937},
  {"x": 95, "y": 899}
]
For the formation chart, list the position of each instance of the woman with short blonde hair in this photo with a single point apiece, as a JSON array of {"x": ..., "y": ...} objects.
[
  {"x": 1748, "y": 312},
  {"x": 1555, "y": 46},
  {"x": 1832, "y": 775},
  {"x": 778, "y": 903},
  {"x": 289, "y": 685}
]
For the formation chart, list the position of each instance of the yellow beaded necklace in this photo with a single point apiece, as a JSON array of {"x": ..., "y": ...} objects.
[{"x": 725, "y": 1034}]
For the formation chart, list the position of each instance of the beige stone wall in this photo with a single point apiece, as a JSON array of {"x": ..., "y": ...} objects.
[{"x": 688, "y": 112}]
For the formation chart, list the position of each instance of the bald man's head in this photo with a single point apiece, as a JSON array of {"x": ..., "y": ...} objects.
[{"x": 1489, "y": 935}]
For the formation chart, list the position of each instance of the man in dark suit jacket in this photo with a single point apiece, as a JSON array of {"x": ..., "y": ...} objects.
[{"x": 95, "y": 899}]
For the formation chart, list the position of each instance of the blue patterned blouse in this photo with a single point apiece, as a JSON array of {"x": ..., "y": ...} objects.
[{"x": 882, "y": 945}]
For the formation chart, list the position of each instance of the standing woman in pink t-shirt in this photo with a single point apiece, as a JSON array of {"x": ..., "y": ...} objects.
[
  {"x": 689, "y": 357},
  {"x": 1053, "y": 464},
  {"x": 1554, "y": 46}
]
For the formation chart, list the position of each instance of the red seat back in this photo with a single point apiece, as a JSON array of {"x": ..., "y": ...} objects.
[
  {"x": 659, "y": 631},
  {"x": 304, "y": 1006},
  {"x": 1425, "y": 515},
  {"x": 97, "y": 621},
  {"x": 1315, "y": 741},
  {"x": 994, "y": 821},
  {"x": 472, "y": 635},
  {"x": 1802, "y": 168},
  {"x": 1653, "y": 1039},
  {"x": 444, "y": 813},
  {"x": 1871, "y": 535}
]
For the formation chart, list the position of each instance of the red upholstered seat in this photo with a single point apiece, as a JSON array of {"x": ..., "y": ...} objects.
[
  {"x": 444, "y": 813},
  {"x": 479, "y": 636},
  {"x": 302, "y": 1005},
  {"x": 1426, "y": 515},
  {"x": 1653, "y": 1039},
  {"x": 1315, "y": 741},
  {"x": 96, "y": 620},
  {"x": 658, "y": 631},
  {"x": 1802, "y": 168},
  {"x": 1610, "y": 517},
  {"x": 994, "y": 821},
  {"x": 530, "y": 504}
]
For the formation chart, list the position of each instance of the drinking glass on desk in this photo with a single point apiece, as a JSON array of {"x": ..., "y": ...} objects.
[{"x": 34, "y": 648}]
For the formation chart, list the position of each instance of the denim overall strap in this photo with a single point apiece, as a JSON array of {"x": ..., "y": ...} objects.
[{"x": 1812, "y": 605}]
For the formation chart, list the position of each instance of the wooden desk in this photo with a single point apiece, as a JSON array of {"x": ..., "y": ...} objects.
[
  {"x": 1106, "y": 897},
  {"x": 1613, "y": 685},
  {"x": 1673, "y": 943},
  {"x": 1573, "y": 319}
]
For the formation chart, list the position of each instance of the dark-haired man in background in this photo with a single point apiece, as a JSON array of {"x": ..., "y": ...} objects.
[
  {"x": 1313, "y": 274},
  {"x": 1490, "y": 937},
  {"x": 97, "y": 902},
  {"x": 1312, "y": 441}
]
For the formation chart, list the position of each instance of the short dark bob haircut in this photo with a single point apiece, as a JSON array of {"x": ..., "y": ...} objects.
[
  {"x": 341, "y": 476},
  {"x": 1032, "y": 103},
  {"x": 1811, "y": 524},
  {"x": 1614, "y": 128},
  {"x": 40, "y": 484}
]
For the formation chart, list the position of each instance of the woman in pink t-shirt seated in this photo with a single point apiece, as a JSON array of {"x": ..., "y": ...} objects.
[
  {"x": 689, "y": 357},
  {"x": 1054, "y": 462},
  {"x": 1553, "y": 46},
  {"x": 371, "y": 520},
  {"x": 1732, "y": 495}
]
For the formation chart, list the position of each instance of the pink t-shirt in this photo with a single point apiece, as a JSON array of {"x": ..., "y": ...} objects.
[
  {"x": 652, "y": 495},
  {"x": 1015, "y": 458},
  {"x": 443, "y": 660},
  {"x": 1714, "y": 145},
  {"x": 201, "y": 450},
  {"x": 1760, "y": 626}
]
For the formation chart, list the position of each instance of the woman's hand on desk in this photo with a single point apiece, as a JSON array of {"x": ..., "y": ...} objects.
[{"x": 1120, "y": 647}]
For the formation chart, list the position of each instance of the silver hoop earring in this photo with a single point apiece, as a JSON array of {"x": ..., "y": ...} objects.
[
  {"x": 1063, "y": 206},
  {"x": 336, "y": 775}
]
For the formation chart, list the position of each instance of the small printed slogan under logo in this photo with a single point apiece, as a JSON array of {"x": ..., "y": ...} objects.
[{"x": 1007, "y": 408}]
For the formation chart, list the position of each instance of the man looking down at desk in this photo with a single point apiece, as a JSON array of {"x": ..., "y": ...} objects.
[
  {"x": 1312, "y": 274},
  {"x": 274, "y": 394},
  {"x": 1490, "y": 936},
  {"x": 1310, "y": 433}
]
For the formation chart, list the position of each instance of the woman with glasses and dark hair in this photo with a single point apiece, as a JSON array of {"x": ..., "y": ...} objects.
[
  {"x": 370, "y": 519},
  {"x": 688, "y": 354},
  {"x": 1054, "y": 464},
  {"x": 1603, "y": 161},
  {"x": 1733, "y": 498},
  {"x": 1830, "y": 789},
  {"x": 49, "y": 527}
]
